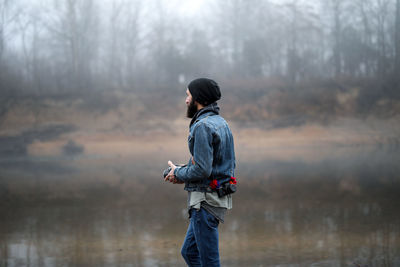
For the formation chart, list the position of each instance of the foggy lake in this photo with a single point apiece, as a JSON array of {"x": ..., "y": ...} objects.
[
  {"x": 338, "y": 210},
  {"x": 92, "y": 106}
]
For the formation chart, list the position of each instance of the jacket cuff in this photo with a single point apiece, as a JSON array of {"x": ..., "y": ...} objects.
[{"x": 176, "y": 173}]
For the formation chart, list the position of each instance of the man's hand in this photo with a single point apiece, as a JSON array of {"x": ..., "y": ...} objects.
[{"x": 171, "y": 176}]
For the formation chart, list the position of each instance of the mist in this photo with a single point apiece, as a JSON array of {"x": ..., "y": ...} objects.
[
  {"x": 303, "y": 61},
  {"x": 92, "y": 106}
]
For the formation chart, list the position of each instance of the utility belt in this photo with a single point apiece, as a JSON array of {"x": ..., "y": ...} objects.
[{"x": 223, "y": 189}]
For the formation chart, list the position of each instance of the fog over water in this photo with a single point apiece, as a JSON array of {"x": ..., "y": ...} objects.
[
  {"x": 92, "y": 106},
  {"x": 336, "y": 211}
]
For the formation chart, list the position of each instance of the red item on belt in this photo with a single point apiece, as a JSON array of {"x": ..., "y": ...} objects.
[{"x": 215, "y": 183}]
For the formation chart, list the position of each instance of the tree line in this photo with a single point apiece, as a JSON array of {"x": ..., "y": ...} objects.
[{"x": 73, "y": 46}]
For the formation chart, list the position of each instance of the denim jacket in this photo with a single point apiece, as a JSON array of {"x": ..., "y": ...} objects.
[{"x": 211, "y": 146}]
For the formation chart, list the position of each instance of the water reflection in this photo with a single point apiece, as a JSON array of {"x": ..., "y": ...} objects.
[{"x": 109, "y": 212}]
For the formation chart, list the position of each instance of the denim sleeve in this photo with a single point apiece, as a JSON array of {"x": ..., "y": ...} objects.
[{"x": 202, "y": 156}]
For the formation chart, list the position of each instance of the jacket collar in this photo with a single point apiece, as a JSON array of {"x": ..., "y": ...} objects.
[{"x": 212, "y": 108}]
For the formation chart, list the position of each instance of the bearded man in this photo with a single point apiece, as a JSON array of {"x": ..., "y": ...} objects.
[{"x": 209, "y": 174}]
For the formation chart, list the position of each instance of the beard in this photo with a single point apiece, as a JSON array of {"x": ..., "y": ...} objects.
[{"x": 191, "y": 110}]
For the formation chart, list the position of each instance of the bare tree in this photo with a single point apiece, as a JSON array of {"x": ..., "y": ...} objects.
[
  {"x": 9, "y": 82},
  {"x": 122, "y": 42},
  {"x": 73, "y": 31},
  {"x": 303, "y": 38},
  {"x": 382, "y": 8},
  {"x": 364, "y": 7},
  {"x": 132, "y": 40},
  {"x": 24, "y": 26},
  {"x": 397, "y": 40},
  {"x": 2, "y": 26},
  {"x": 157, "y": 39},
  {"x": 9, "y": 12},
  {"x": 113, "y": 71},
  {"x": 230, "y": 31},
  {"x": 293, "y": 59},
  {"x": 337, "y": 31},
  {"x": 273, "y": 47}
]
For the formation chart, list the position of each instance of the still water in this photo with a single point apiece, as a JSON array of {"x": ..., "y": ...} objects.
[{"x": 336, "y": 210}]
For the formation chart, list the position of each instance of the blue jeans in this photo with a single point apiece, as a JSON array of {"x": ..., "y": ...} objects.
[{"x": 200, "y": 247}]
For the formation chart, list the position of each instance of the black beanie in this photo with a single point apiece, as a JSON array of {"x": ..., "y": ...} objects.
[{"x": 204, "y": 91}]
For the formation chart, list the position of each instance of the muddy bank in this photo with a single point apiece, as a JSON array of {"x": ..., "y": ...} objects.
[{"x": 249, "y": 141}]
